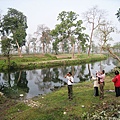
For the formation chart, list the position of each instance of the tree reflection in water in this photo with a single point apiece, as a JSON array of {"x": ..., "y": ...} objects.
[{"x": 42, "y": 81}]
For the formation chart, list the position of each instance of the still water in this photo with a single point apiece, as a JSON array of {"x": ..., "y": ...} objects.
[{"x": 32, "y": 83}]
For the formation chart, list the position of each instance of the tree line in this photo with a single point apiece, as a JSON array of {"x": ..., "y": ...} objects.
[{"x": 68, "y": 36}]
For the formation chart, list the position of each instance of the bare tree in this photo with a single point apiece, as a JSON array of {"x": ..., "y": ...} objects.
[
  {"x": 94, "y": 17},
  {"x": 43, "y": 34},
  {"x": 27, "y": 45},
  {"x": 105, "y": 31}
]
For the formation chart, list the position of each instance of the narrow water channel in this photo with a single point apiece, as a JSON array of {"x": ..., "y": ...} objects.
[{"x": 31, "y": 83}]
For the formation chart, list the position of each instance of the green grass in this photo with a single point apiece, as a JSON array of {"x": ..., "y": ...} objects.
[
  {"x": 53, "y": 105},
  {"x": 43, "y": 61}
]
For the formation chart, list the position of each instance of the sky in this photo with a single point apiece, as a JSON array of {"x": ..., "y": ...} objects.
[{"x": 46, "y": 11}]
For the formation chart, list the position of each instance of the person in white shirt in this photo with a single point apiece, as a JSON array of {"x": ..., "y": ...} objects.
[
  {"x": 70, "y": 83},
  {"x": 95, "y": 85}
]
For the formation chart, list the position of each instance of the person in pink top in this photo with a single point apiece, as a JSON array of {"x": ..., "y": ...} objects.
[
  {"x": 101, "y": 79},
  {"x": 116, "y": 81}
]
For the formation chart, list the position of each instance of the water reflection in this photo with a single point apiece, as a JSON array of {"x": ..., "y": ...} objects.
[{"x": 42, "y": 81}]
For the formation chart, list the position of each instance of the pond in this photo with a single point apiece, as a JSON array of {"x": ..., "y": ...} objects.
[{"x": 31, "y": 83}]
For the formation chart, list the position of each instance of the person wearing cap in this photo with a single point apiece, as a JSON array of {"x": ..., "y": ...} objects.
[
  {"x": 70, "y": 83},
  {"x": 116, "y": 81}
]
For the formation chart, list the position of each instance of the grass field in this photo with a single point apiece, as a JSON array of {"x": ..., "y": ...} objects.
[
  {"x": 56, "y": 106},
  {"x": 47, "y": 60}
]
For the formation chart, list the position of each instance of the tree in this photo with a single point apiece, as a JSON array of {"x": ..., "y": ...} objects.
[
  {"x": 107, "y": 46},
  {"x": 94, "y": 17},
  {"x": 103, "y": 34},
  {"x": 104, "y": 31},
  {"x": 6, "y": 48},
  {"x": 0, "y": 20},
  {"x": 69, "y": 30},
  {"x": 28, "y": 41},
  {"x": 14, "y": 25},
  {"x": 55, "y": 41},
  {"x": 118, "y": 14},
  {"x": 43, "y": 32}
]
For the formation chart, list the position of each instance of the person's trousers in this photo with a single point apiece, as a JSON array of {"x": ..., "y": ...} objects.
[
  {"x": 101, "y": 86},
  {"x": 117, "y": 90},
  {"x": 96, "y": 91},
  {"x": 70, "y": 91}
]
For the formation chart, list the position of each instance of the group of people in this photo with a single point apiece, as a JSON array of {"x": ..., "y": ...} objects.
[{"x": 99, "y": 83}]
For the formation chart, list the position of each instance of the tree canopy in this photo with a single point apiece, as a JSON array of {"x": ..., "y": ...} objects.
[
  {"x": 69, "y": 30},
  {"x": 14, "y": 25}
]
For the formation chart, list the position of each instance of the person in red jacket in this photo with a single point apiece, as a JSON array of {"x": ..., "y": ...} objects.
[{"x": 116, "y": 81}]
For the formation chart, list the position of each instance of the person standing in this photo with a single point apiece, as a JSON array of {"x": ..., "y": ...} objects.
[
  {"x": 96, "y": 85},
  {"x": 116, "y": 81},
  {"x": 101, "y": 79},
  {"x": 70, "y": 82}
]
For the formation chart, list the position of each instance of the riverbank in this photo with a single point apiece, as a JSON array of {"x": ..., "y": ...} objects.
[
  {"x": 56, "y": 106},
  {"x": 46, "y": 61}
]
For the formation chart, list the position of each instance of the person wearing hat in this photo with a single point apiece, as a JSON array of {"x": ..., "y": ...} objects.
[{"x": 70, "y": 83}]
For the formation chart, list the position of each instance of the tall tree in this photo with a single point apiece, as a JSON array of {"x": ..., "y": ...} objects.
[
  {"x": 103, "y": 34},
  {"x": 14, "y": 25},
  {"x": 70, "y": 29},
  {"x": 0, "y": 20},
  {"x": 104, "y": 31},
  {"x": 43, "y": 34},
  {"x": 28, "y": 42},
  {"x": 55, "y": 41},
  {"x": 94, "y": 17}
]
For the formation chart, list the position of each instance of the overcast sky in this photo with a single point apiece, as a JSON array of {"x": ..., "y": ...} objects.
[{"x": 46, "y": 11}]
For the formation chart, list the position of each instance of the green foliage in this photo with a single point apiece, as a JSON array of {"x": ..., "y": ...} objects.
[
  {"x": 6, "y": 46},
  {"x": 118, "y": 14},
  {"x": 14, "y": 24},
  {"x": 50, "y": 57},
  {"x": 13, "y": 65},
  {"x": 69, "y": 30},
  {"x": 13, "y": 29},
  {"x": 33, "y": 62}
]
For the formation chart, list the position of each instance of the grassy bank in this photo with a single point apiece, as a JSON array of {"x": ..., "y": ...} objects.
[
  {"x": 56, "y": 106},
  {"x": 43, "y": 61}
]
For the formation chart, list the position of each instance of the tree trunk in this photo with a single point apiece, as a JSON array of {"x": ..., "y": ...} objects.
[
  {"x": 89, "y": 69},
  {"x": 43, "y": 48},
  {"x": 73, "y": 51},
  {"x": 19, "y": 51},
  {"x": 110, "y": 51},
  {"x": 78, "y": 51},
  {"x": 8, "y": 57},
  {"x": 19, "y": 77},
  {"x": 89, "y": 48}
]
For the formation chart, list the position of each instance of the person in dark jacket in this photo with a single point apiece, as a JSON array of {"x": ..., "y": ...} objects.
[{"x": 116, "y": 81}]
